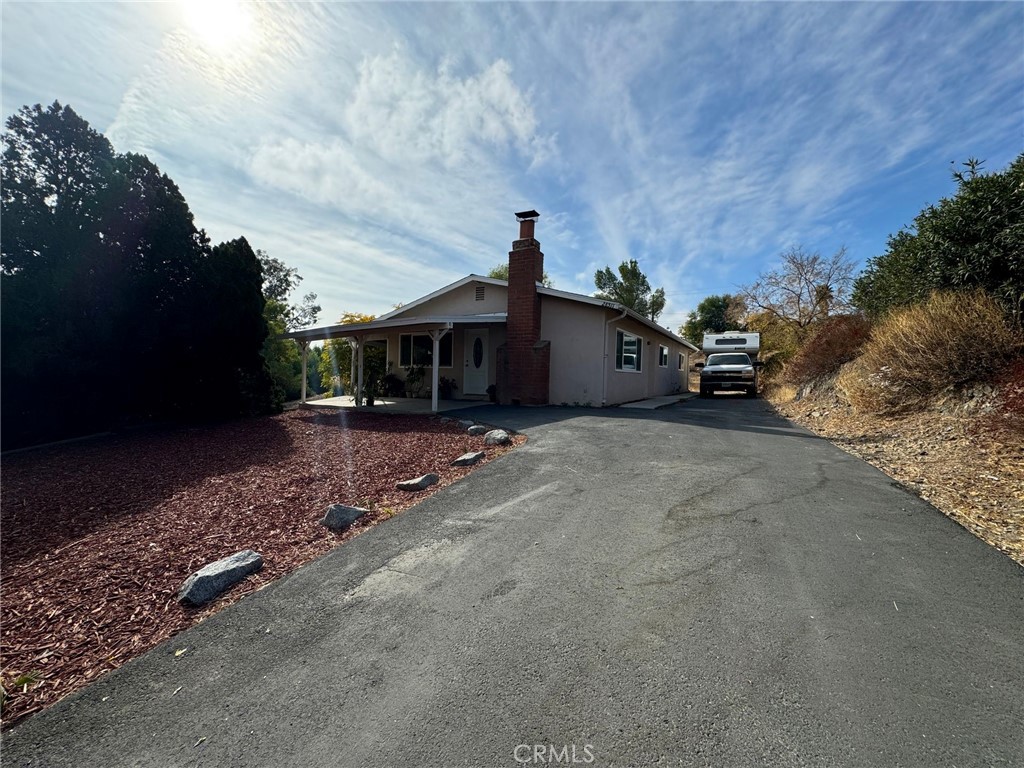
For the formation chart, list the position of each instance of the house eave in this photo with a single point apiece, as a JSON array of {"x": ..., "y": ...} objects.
[{"x": 381, "y": 325}]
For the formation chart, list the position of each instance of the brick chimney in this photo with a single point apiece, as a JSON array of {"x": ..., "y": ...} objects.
[{"x": 524, "y": 361}]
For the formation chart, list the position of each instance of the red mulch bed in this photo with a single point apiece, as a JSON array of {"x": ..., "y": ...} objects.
[{"x": 98, "y": 536}]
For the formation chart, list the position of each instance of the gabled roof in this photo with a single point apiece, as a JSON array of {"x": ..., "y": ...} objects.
[
  {"x": 442, "y": 291},
  {"x": 398, "y": 317}
]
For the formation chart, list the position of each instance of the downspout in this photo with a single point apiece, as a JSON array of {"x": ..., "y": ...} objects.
[{"x": 604, "y": 373}]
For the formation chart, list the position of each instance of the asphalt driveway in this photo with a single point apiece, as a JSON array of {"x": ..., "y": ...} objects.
[{"x": 703, "y": 585}]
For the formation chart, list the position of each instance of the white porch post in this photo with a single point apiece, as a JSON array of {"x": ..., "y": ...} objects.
[
  {"x": 435, "y": 336},
  {"x": 351, "y": 372},
  {"x": 359, "y": 385},
  {"x": 305, "y": 362}
]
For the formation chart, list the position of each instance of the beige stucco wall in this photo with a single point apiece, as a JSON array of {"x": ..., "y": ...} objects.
[
  {"x": 578, "y": 356},
  {"x": 575, "y": 331},
  {"x": 651, "y": 380},
  {"x": 462, "y": 301}
]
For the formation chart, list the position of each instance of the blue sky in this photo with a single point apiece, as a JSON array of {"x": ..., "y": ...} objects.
[{"x": 382, "y": 148}]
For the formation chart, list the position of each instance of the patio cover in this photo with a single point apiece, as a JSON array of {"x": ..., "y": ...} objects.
[{"x": 359, "y": 333}]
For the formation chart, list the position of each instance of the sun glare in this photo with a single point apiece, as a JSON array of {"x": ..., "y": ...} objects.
[{"x": 219, "y": 24}]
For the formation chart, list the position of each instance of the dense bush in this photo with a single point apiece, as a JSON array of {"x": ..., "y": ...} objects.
[
  {"x": 110, "y": 293},
  {"x": 835, "y": 341},
  {"x": 948, "y": 341},
  {"x": 971, "y": 240}
]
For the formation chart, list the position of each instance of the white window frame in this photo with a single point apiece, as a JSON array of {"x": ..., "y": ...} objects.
[
  {"x": 619, "y": 366},
  {"x": 425, "y": 336},
  {"x": 680, "y": 361},
  {"x": 662, "y": 355}
]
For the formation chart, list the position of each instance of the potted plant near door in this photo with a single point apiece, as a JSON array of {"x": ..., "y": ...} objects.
[{"x": 446, "y": 387}]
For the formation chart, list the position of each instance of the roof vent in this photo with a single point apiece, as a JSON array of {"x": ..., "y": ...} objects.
[{"x": 480, "y": 293}]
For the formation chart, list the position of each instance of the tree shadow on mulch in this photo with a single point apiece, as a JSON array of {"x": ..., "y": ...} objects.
[{"x": 56, "y": 495}]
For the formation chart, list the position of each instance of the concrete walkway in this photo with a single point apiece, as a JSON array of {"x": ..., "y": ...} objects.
[
  {"x": 700, "y": 585},
  {"x": 654, "y": 403},
  {"x": 396, "y": 404}
]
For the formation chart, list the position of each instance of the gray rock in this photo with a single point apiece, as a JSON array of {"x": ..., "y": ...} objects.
[
  {"x": 468, "y": 459},
  {"x": 338, "y": 517},
  {"x": 466, "y": 423},
  {"x": 212, "y": 579},
  {"x": 497, "y": 437},
  {"x": 477, "y": 430},
  {"x": 419, "y": 483}
]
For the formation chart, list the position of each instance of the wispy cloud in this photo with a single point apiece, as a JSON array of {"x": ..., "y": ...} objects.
[
  {"x": 382, "y": 148},
  {"x": 418, "y": 149}
]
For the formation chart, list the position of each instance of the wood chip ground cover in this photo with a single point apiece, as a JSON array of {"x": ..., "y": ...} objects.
[{"x": 98, "y": 536}]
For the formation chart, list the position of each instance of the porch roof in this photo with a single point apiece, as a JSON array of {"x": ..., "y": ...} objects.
[{"x": 376, "y": 327}]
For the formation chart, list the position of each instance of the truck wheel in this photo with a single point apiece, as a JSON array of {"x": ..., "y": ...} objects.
[
  {"x": 705, "y": 392},
  {"x": 752, "y": 392}
]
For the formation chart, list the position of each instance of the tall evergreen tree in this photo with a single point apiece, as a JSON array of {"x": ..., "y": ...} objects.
[{"x": 110, "y": 289}]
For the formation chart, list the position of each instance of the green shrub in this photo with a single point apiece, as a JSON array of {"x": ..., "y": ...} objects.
[
  {"x": 950, "y": 340},
  {"x": 836, "y": 341}
]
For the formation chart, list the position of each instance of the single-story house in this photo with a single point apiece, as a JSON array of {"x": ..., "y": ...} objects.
[{"x": 535, "y": 345}]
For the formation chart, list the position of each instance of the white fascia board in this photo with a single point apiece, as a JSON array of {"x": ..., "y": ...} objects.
[
  {"x": 441, "y": 292},
  {"x": 615, "y": 306},
  {"x": 420, "y": 323},
  {"x": 357, "y": 329}
]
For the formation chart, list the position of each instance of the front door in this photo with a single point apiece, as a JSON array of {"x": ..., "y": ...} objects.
[{"x": 474, "y": 379}]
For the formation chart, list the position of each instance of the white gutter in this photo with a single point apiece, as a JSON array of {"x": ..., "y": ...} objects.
[
  {"x": 410, "y": 324},
  {"x": 604, "y": 374}
]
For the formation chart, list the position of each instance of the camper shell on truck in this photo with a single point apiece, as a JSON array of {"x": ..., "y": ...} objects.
[{"x": 731, "y": 363}]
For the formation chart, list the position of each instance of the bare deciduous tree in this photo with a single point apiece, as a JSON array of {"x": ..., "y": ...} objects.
[{"x": 806, "y": 288}]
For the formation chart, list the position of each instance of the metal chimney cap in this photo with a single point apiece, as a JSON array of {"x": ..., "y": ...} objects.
[{"x": 524, "y": 215}]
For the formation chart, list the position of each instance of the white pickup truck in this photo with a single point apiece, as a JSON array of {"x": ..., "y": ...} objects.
[{"x": 731, "y": 363}]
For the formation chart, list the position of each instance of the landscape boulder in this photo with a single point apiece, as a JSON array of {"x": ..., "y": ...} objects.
[
  {"x": 477, "y": 429},
  {"x": 497, "y": 437},
  {"x": 418, "y": 483},
  {"x": 339, "y": 517},
  {"x": 468, "y": 459},
  {"x": 213, "y": 579}
]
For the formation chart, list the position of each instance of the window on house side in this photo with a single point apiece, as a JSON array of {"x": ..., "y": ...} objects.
[
  {"x": 662, "y": 356},
  {"x": 628, "y": 351},
  {"x": 680, "y": 361},
  {"x": 418, "y": 349}
]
